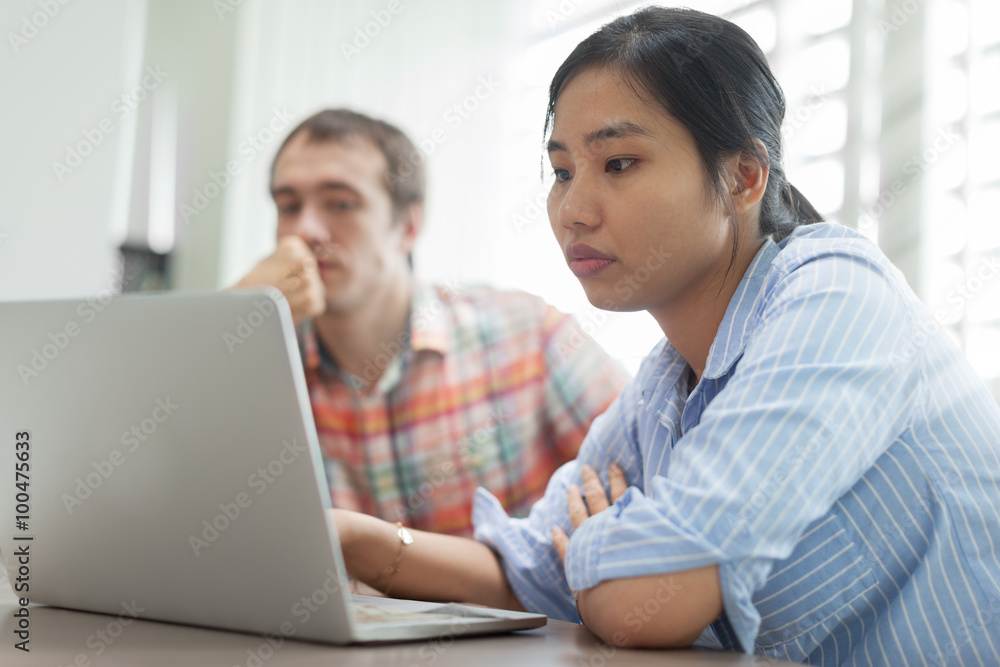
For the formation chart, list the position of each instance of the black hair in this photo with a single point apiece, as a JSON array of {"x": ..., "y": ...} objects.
[{"x": 711, "y": 76}]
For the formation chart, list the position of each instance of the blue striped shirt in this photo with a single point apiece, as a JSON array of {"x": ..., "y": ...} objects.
[{"x": 839, "y": 461}]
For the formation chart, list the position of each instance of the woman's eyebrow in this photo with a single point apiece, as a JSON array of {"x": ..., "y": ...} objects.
[{"x": 619, "y": 130}]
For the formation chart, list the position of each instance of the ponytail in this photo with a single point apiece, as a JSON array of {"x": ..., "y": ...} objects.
[{"x": 796, "y": 210}]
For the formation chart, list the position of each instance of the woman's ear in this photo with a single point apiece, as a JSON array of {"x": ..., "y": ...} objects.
[{"x": 748, "y": 178}]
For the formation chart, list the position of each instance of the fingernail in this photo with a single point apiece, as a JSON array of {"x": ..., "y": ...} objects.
[{"x": 614, "y": 466}]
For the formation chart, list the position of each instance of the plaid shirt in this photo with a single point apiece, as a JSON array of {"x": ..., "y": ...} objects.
[{"x": 486, "y": 388}]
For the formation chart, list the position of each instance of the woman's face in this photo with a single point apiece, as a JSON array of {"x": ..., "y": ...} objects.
[{"x": 631, "y": 206}]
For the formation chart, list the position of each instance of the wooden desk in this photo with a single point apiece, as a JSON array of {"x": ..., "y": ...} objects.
[{"x": 61, "y": 637}]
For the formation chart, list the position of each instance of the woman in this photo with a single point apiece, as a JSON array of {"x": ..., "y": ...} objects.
[{"x": 805, "y": 466}]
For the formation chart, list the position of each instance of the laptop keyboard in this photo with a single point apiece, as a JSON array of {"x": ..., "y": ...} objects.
[{"x": 368, "y": 613}]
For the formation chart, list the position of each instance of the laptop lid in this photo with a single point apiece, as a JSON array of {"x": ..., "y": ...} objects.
[{"x": 172, "y": 468}]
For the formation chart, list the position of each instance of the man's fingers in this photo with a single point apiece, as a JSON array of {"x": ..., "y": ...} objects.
[
  {"x": 577, "y": 510},
  {"x": 293, "y": 246},
  {"x": 597, "y": 499},
  {"x": 616, "y": 478},
  {"x": 559, "y": 541}
]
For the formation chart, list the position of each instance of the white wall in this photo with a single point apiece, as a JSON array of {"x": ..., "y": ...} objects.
[{"x": 60, "y": 81}]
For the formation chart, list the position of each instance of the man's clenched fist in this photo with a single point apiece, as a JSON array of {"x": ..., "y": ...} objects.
[{"x": 293, "y": 269}]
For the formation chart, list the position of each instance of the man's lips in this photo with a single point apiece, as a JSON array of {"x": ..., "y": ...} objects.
[
  {"x": 585, "y": 261},
  {"x": 329, "y": 267}
]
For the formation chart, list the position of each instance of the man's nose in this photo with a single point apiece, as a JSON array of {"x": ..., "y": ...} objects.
[{"x": 308, "y": 226}]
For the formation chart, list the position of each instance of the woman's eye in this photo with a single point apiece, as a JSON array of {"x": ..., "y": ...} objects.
[
  {"x": 618, "y": 165},
  {"x": 562, "y": 175}
]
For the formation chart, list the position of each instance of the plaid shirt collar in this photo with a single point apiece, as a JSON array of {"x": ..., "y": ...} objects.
[{"x": 428, "y": 329}]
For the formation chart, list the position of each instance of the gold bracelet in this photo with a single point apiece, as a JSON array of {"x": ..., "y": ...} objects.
[{"x": 405, "y": 539}]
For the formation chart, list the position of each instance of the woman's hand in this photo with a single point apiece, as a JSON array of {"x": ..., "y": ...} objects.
[
  {"x": 693, "y": 597},
  {"x": 431, "y": 567},
  {"x": 597, "y": 501}
]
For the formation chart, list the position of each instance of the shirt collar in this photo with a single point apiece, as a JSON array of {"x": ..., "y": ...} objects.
[
  {"x": 431, "y": 326},
  {"x": 738, "y": 324},
  {"x": 428, "y": 329}
]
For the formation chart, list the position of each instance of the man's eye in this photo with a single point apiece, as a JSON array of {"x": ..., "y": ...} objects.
[
  {"x": 288, "y": 209},
  {"x": 341, "y": 205},
  {"x": 562, "y": 175},
  {"x": 618, "y": 165}
]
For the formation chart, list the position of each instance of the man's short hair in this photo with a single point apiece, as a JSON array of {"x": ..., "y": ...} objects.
[{"x": 404, "y": 176}]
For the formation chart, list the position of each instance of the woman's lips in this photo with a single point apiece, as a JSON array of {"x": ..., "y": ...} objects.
[
  {"x": 585, "y": 261},
  {"x": 585, "y": 267}
]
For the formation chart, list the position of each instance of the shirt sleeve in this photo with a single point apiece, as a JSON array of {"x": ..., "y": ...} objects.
[
  {"x": 532, "y": 565},
  {"x": 581, "y": 380},
  {"x": 822, "y": 389}
]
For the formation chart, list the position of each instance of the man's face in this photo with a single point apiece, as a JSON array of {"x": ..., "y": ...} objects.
[{"x": 334, "y": 196}]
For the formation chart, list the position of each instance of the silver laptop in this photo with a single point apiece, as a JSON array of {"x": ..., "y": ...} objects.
[{"x": 159, "y": 459}]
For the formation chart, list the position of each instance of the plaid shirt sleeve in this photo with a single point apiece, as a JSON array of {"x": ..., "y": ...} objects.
[{"x": 582, "y": 381}]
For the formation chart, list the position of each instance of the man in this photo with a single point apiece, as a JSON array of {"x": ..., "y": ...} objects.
[{"x": 420, "y": 393}]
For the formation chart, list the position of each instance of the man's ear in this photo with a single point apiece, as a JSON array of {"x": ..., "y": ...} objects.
[
  {"x": 748, "y": 178},
  {"x": 411, "y": 221}
]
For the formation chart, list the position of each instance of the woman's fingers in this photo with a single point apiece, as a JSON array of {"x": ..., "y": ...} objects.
[
  {"x": 577, "y": 509},
  {"x": 559, "y": 541},
  {"x": 616, "y": 478},
  {"x": 597, "y": 499}
]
